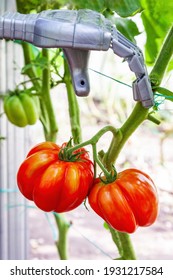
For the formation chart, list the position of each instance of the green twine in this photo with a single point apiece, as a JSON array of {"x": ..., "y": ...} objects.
[
  {"x": 115, "y": 80},
  {"x": 163, "y": 95},
  {"x": 159, "y": 98}
]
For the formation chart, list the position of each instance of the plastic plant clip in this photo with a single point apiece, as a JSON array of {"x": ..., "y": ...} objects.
[{"x": 77, "y": 33}]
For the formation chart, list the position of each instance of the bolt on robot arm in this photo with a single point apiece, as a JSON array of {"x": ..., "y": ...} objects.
[{"x": 77, "y": 33}]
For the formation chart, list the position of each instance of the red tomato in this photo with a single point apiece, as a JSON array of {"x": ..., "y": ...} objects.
[
  {"x": 128, "y": 202},
  {"x": 54, "y": 184}
]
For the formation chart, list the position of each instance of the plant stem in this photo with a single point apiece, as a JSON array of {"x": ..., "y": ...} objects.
[
  {"x": 95, "y": 138},
  {"x": 62, "y": 224},
  {"x": 50, "y": 129},
  {"x": 73, "y": 106},
  {"x": 124, "y": 245},
  {"x": 128, "y": 252},
  {"x": 100, "y": 164},
  {"x": 162, "y": 60},
  {"x": 53, "y": 129},
  {"x": 93, "y": 141},
  {"x": 30, "y": 72},
  {"x": 138, "y": 115},
  {"x": 61, "y": 244},
  {"x": 49, "y": 125}
]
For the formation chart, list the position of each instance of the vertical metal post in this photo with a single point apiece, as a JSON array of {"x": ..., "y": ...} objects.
[{"x": 13, "y": 211}]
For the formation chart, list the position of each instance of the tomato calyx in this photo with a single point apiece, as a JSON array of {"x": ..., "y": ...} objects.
[
  {"x": 66, "y": 154},
  {"x": 109, "y": 176}
]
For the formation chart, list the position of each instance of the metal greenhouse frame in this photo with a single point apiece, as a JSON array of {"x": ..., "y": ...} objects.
[{"x": 13, "y": 211}]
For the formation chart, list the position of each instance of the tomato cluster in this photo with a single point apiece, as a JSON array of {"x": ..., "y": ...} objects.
[{"x": 60, "y": 185}]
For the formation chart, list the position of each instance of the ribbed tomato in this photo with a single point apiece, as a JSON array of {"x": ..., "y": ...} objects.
[
  {"x": 22, "y": 109},
  {"x": 128, "y": 202},
  {"x": 54, "y": 184}
]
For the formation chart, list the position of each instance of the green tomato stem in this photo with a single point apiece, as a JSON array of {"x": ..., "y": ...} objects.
[
  {"x": 116, "y": 240},
  {"x": 51, "y": 136},
  {"x": 49, "y": 125},
  {"x": 93, "y": 141},
  {"x": 138, "y": 115},
  {"x": 100, "y": 164},
  {"x": 124, "y": 245},
  {"x": 162, "y": 60},
  {"x": 49, "y": 132},
  {"x": 74, "y": 112},
  {"x": 95, "y": 138},
  {"x": 62, "y": 224},
  {"x": 31, "y": 73},
  {"x": 62, "y": 243},
  {"x": 27, "y": 51},
  {"x": 127, "y": 248}
]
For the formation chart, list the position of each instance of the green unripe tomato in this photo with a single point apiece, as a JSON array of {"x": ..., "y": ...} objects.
[{"x": 21, "y": 109}]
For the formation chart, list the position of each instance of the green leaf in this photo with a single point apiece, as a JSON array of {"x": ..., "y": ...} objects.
[
  {"x": 127, "y": 27},
  {"x": 26, "y": 68},
  {"x": 40, "y": 63},
  {"x": 27, "y": 6},
  {"x": 124, "y": 8},
  {"x": 151, "y": 46},
  {"x": 97, "y": 5},
  {"x": 157, "y": 18}
]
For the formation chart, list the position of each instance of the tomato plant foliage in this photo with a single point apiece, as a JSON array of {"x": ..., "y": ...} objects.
[{"x": 157, "y": 18}]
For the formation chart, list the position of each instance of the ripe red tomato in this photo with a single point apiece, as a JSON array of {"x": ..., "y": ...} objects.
[
  {"x": 128, "y": 202},
  {"x": 54, "y": 184}
]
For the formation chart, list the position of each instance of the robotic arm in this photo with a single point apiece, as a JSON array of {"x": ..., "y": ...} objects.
[{"x": 78, "y": 32}]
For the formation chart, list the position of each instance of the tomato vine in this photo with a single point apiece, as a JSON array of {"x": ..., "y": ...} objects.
[{"x": 105, "y": 160}]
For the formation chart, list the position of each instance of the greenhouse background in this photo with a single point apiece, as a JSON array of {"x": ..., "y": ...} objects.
[{"x": 28, "y": 233}]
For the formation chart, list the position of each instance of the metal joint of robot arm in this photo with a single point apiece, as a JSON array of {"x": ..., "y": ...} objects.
[
  {"x": 77, "y": 33},
  {"x": 142, "y": 90}
]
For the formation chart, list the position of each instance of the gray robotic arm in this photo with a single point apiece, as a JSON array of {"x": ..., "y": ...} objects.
[{"x": 77, "y": 33}]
